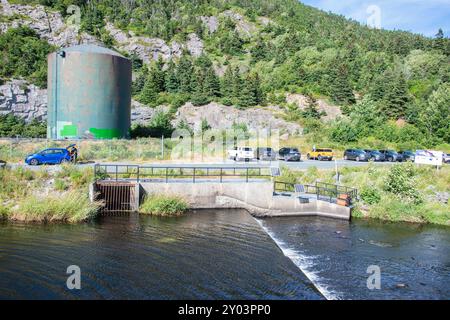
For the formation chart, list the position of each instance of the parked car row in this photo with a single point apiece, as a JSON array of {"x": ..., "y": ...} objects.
[
  {"x": 322, "y": 154},
  {"x": 285, "y": 154},
  {"x": 379, "y": 155}
]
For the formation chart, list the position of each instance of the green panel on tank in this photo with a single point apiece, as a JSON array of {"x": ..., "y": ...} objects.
[
  {"x": 89, "y": 90},
  {"x": 105, "y": 133},
  {"x": 69, "y": 131}
]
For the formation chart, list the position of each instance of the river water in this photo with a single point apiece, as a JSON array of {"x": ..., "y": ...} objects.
[{"x": 223, "y": 255}]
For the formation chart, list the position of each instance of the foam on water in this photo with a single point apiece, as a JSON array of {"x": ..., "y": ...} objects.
[{"x": 306, "y": 264}]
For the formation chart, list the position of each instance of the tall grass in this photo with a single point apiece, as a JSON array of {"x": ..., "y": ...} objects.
[
  {"x": 164, "y": 205},
  {"x": 73, "y": 207}
]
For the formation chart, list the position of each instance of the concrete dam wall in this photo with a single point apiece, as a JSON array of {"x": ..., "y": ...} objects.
[{"x": 256, "y": 197}]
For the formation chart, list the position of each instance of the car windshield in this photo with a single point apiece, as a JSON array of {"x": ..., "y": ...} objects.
[
  {"x": 375, "y": 152},
  {"x": 247, "y": 149},
  {"x": 392, "y": 151},
  {"x": 293, "y": 151},
  {"x": 360, "y": 151},
  {"x": 323, "y": 150}
]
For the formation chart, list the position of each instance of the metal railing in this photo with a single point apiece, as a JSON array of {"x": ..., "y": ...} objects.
[
  {"x": 323, "y": 191},
  {"x": 138, "y": 173}
]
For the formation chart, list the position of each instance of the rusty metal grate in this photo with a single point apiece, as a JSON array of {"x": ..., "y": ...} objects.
[{"x": 116, "y": 197}]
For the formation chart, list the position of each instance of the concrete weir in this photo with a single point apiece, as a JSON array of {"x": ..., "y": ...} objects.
[{"x": 257, "y": 197}]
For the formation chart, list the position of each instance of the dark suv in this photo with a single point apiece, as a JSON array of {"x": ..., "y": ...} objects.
[
  {"x": 375, "y": 155},
  {"x": 407, "y": 155},
  {"x": 391, "y": 155},
  {"x": 289, "y": 154},
  {"x": 356, "y": 154},
  {"x": 265, "y": 153}
]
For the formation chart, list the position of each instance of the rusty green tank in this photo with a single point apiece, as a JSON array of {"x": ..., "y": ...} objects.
[{"x": 89, "y": 94}]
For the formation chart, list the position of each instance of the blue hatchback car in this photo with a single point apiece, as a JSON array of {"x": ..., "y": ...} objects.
[{"x": 49, "y": 156}]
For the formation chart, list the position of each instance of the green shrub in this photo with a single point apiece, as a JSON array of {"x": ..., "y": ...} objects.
[
  {"x": 400, "y": 182},
  {"x": 164, "y": 205},
  {"x": 370, "y": 195}
]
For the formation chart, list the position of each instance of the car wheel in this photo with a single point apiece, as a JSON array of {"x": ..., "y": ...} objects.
[
  {"x": 64, "y": 161},
  {"x": 34, "y": 162},
  {"x": 358, "y": 159},
  {"x": 390, "y": 159},
  {"x": 345, "y": 157},
  {"x": 320, "y": 158}
]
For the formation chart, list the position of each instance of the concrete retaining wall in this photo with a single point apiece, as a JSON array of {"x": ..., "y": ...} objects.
[{"x": 256, "y": 197}]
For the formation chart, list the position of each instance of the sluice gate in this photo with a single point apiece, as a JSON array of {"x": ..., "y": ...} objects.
[{"x": 117, "y": 196}]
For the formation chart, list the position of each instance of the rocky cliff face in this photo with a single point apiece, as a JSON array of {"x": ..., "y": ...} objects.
[
  {"x": 23, "y": 100},
  {"x": 149, "y": 49},
  {"x": 223, "y": 117},
  {"x": 332, "y": 111},
  {"x": 49, "y": 25}
]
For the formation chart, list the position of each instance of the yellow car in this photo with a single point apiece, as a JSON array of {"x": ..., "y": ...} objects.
[{"x": 320, "y": 154}]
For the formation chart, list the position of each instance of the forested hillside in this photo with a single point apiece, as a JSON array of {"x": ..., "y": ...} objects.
[{"x": 257, "y": 51}]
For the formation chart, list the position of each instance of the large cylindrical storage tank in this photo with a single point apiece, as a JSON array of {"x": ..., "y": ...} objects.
[{"x": 89, "y": 94}]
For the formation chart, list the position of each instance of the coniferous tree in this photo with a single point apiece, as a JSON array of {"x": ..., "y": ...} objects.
[
  {"x": 311, "y": 111},
  {"x": 211, "y": 83},
  {"x": 227, "y": 83},
  {"x": 439, "y": 41},
  {"x": 159, "y": 74},
  {"x": 396, "y": 98},
  {"x": 185, "y": 74},
  {"x": 154, "y": 84},
  {"x": 199, "y": 96},
  {"x": 259, "y": 51},
  {"x": 171, "y": 81},
  {"x": 340, "y": 88},
  {"x": 246, "y": 97},
  {"x": 255, "y": 85},
  {"x": 237, "y": 83}
]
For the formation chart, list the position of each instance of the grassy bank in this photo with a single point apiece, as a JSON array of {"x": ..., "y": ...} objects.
[
  {"x": 149, "y": 149},
  {"x": 164, "y": 205},
  {"x": 403, "y": 192},
  {"x": 40, "y": 196},
  {"x": 100, "y": 150}
]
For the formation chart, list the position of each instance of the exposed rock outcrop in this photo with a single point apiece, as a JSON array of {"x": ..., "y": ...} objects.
[
  {"x": 244, "y": 27},
  {"x": 211, "y": 23},
  {"x": 332, "y": 111},
  {"x": 149, "y": 49},
  {"x": 223, "y": 117},
  {"x": 48, "y": 24},
  {"x": 23, "y": 100}
]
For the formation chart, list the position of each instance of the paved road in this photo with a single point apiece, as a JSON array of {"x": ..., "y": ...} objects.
[{"x": 303, "y": 165}]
